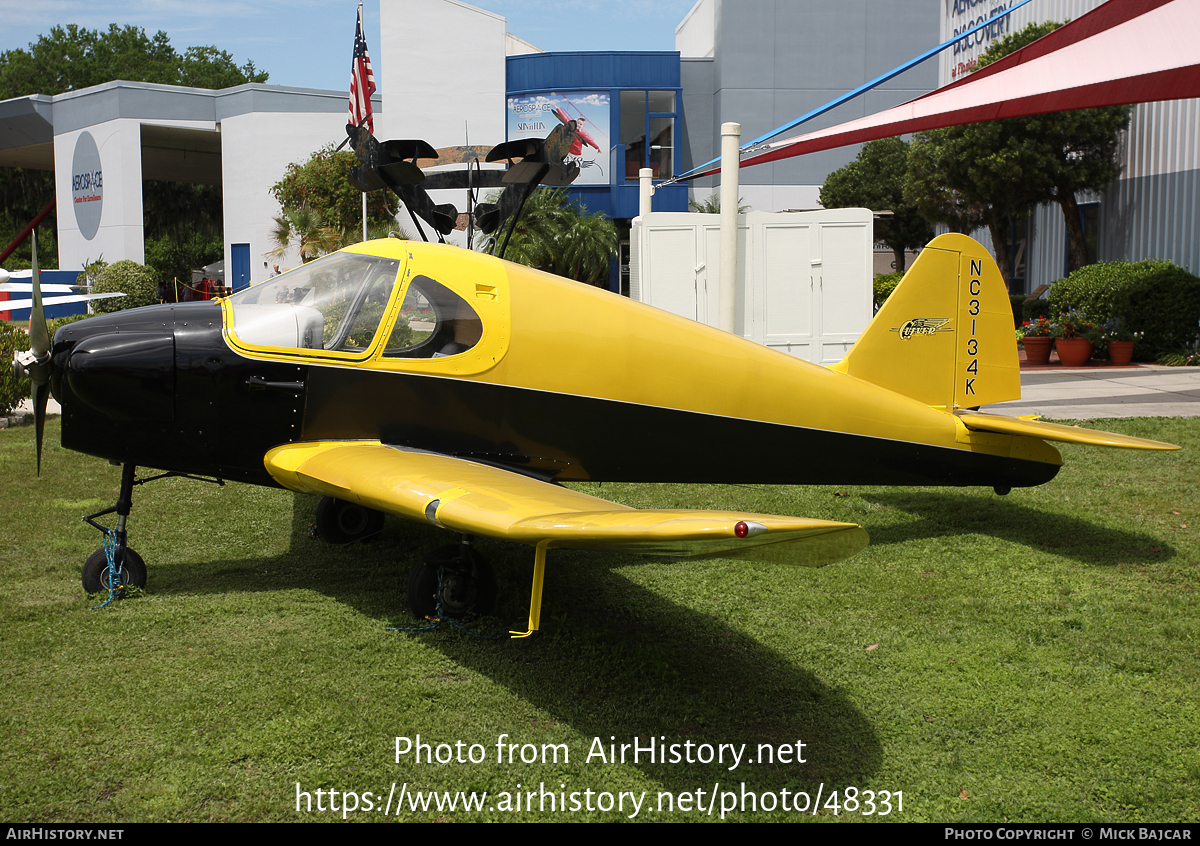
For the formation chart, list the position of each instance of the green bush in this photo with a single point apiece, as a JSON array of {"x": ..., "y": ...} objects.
[
  {"x": 138, "y": 283},
  {"x": 1155, "y": 297},
  {"x": 1017, "y": 301},
  {"x": 58, "y": 322},
  {"x": 1032, "y": 309},
  {"x": 13, "y": 338},
  {"x": 883, "y": 286}
]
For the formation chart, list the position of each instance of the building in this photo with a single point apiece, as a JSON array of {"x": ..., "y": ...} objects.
[{"x": 1151, "y": 211}]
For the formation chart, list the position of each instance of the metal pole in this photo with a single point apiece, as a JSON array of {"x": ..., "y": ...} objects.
[
  {"x": 364, "y": 196},
  {"x": 731, "y": 134},
  {"x": 645, "y": 190}
]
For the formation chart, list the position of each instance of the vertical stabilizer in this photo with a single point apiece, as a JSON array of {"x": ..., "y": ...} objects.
[{"x": 945, "y": 336}]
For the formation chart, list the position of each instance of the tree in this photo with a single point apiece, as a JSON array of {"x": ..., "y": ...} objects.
[
  {"x": 71, "y": 58},
  {"x": 304, "y": 226},
  {"x": 560, "y": 236},
  {"x": 996, "y": 171},
  {"x": 323, "y": 184},
  {"x": 973, "y": 176},
  {"x": 875, "y": 180}
]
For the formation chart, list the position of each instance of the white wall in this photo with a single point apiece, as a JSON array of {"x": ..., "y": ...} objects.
[
  {"x": 441, "y": 65},
  {"x": 803, "y": 280},
  {"x": 255, "y": 150},
  {"x": 695, "y": 37},
  {"x": 120, "y": 233}
]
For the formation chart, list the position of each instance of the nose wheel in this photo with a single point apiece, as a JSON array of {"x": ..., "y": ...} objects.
[
  {"x": 131, "y": 572},
  {"x": 453, "y": 581}
]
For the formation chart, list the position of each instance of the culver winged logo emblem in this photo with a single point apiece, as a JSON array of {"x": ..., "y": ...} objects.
[{"x": 922, "y": 326}]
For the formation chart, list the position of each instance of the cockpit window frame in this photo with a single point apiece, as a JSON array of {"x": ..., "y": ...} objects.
[{"x": 345, "y": 323}]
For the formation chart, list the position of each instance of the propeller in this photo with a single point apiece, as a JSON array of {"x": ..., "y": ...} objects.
[{"x": 36, "y": 362}]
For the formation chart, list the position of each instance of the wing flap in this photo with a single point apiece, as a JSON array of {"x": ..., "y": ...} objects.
[
  {"x": 476, "y": 499},
  {"x": 1055, "y": 431}
]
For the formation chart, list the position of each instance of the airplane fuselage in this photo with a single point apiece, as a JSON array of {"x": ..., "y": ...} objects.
[{"x": 565, "y": 383}]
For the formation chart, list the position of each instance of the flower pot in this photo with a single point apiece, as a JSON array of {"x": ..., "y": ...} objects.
[
  {"x": 1120, "y": 353},
  {"x": 1037, "y": 350},
  {"x": 1073, "y": 352}
]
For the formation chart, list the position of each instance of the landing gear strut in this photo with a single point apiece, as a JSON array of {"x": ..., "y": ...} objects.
[{"x": 128, "y": 565}]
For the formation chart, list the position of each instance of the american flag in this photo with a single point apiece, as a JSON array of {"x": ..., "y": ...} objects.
[{"x": 362, "y": 81}]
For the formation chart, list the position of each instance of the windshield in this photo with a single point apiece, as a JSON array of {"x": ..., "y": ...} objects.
[{"x": 334, "y": 303}]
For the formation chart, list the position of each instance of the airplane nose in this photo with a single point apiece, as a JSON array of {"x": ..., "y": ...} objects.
[{"x": 125, "y": 375}]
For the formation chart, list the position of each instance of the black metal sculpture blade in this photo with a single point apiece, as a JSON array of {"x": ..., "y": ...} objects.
[
  {"x": 393, "y": 165},
  {"x": 531, "y": 162}
]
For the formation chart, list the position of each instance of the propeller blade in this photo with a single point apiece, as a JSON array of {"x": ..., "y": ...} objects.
[
  {"x": 39, "y": 333},
  {"x": 39, "y": 348}
]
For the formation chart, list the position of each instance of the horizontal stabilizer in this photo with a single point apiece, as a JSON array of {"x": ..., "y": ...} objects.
[
  {"x": 1000, "y": 424},
  {"x": 47, "y": 288},
  {"x": 18, "y": 305},
  {"x": 477, "y": 499}
]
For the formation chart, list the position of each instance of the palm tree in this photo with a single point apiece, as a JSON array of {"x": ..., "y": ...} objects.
[
  {"x": 305, "y": 227},
  {"x": 713, "y": 205},
  {"x": 560, "y": 236}
]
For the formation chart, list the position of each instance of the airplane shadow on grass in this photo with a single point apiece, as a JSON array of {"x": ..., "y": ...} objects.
[
  {"x": 1080, "y": 538},
  {"x": 616, "y": 659}
]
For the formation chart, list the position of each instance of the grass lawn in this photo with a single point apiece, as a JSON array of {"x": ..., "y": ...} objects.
[{"x": 1033, "y": 657}]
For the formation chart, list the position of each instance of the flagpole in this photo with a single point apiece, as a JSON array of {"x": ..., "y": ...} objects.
[{"x": 362, "y": 85}]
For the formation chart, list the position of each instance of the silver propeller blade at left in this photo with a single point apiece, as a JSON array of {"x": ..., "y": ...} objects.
[{"x": 36, "y": 362}]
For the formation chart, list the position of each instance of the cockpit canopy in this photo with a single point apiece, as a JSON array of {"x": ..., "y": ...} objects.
[{"x": 338, "y": 304}]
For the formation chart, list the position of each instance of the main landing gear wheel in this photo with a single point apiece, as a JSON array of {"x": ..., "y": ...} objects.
[
  {"x": 468, "y": 585},
  {"x": 338, "y": 521},
  {"x": 132, "y": 571}
]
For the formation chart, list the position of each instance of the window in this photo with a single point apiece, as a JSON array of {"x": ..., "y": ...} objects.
[
  {"x": 334, "y": 303},
  {"x": 648, "y": 132},
  {"x": 433, "y": 322}
]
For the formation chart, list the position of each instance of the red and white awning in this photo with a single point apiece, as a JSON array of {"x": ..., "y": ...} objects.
[{"x": 1124, "y": 51}]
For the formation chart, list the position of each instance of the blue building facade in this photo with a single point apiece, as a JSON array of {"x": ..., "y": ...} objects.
[{"x": 640, "y": 127}]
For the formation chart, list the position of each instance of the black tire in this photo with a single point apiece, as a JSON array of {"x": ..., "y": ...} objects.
[
  {"x": 468, "y": 584},
  {"x": 95, "y": 571},
  {"x": 338, "y": 521}
]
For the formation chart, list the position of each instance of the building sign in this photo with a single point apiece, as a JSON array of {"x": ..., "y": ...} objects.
[
  {"x": 87, "y": 185},
  {"x": 586, "y": 116},
  {"x": 964, "y": 14}
]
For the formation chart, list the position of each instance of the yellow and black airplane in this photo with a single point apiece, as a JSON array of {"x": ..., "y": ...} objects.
[{"x": 445, "y": 386}]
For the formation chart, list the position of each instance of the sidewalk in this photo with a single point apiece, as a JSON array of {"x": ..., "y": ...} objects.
[{"x": 1089, "y": 393}]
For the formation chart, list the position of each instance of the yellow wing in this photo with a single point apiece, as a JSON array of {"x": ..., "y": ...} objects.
[{"x": 477, "y": 499}]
